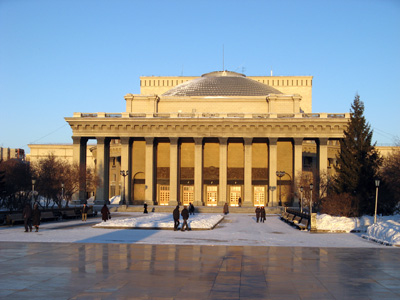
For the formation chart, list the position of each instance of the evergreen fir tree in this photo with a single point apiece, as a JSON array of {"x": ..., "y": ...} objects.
[{"x": 358, "y": 161}]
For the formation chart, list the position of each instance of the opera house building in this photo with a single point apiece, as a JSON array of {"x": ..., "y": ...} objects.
[{"x": 221, "y": 137}]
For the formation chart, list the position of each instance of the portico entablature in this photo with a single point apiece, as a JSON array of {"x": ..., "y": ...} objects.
[{"x": 215, "y": 125}]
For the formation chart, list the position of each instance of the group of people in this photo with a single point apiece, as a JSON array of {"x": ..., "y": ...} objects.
[
  {"x": 260, "y": 214},
  {"x": 31, "y": 217},
  {"x": 185, "y": 216}
]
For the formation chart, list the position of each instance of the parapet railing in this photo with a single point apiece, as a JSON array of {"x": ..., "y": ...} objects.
[{"x": 213, "y": 115}]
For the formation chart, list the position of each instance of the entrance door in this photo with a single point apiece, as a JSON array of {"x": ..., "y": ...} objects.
[
  {"x": 259, "y": 196},
  {"x": 212, "y": 195},
  {"x": 164, "y": 195},
  {"x": 188, "y": 194},
  {"x": 235, "y": 194}
]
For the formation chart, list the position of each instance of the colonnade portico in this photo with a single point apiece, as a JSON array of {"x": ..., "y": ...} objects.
[{"x": 175, "y": 197}]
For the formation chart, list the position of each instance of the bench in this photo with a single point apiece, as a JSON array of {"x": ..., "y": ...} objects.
[
  {"x": 14, "y": 218},
  {"x": 47, "y": 216},
  {"x": 296, "y": 218},
  {"x": 70, "y": 214}
]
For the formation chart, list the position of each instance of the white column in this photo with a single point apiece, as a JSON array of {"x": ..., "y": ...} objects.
[
  {"x": 198, "y": 171},
  {"x": 103, "y": 169},
  {"x": 126, "y": 157},
  {"x": 272, "y": 167},
  {"x": 248, "y": 180},
  {"x": 173, "y": 172},
  {"x": 149, "y": 171},
  {"x": 223, "y": 169},
  {"x": 298, "y": 164},
  {"x": 323, "y": 158}
]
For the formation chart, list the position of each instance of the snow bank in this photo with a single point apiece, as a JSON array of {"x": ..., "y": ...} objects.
[
  {"x": 162, "y": 221},
  {"x": 343, "y": 224}
]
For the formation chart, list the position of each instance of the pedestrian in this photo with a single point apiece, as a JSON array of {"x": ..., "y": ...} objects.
[
  {"x": 27, "y": 214},
  {"x": 84, "y": 212},
  {"x": 145, "y": 208},
  {"x": 105, "y": 213},
  {"x": 240, "y": 201},
  {"x": 262, "y": 213},
  {"x": 191, "y": 209},
  {"x": 176, "y": 216},
  {"x": 36, "y": 217},
  {"x": 258, "y": 212},
  {"x": 185, "y": 217},
  {"x": 226, "y": 209}
]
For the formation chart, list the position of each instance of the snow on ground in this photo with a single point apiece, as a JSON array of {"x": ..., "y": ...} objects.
[
  {"x": 233, "y": 229},
  {"x": 162, "y": 221}
]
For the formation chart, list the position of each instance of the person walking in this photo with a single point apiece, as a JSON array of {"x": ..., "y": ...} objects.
[
  {"x": 36, "y": 214},
  {"x": 191, "y": 209},
  {"x": 145, "y": 208},
  {"x": 105, "y": 213},
  {"x": 240, "y": 201},
  {"x": 185, "y": 217},
  {"x": 226, "y": 209},
  {"x": 27, "y": 214},
  {"x": 175, "y": 215},
  {"x": 84, "y": 212},
  {"x": 262, "y": 214},
  {"x": 258, "y": 212}
]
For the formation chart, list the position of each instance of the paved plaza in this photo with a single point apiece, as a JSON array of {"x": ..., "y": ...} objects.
[{"x": 90, "y": 269}]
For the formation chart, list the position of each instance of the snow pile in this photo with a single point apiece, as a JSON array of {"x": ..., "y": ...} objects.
[
  {"x": 115, "y": 199},
  {"x": 162, "y": 221},
  {"x": 387, "y": 232},
  {"x": 343, "y": 224}
]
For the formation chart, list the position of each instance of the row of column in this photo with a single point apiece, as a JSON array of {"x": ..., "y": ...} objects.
[{"x": 102, "y": 166}]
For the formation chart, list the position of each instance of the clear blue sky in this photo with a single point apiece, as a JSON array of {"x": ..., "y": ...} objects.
[{"x": 63, "y": 56}]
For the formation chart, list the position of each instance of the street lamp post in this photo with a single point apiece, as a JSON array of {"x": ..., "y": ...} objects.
[
  {"x": 124, "y": 174},
  {"x": 272, "y": 189},
  {"x": 377, "y": 182},
  {"x": 62, "y": 191},
  {"x": 301, "y": 198},
  {"x": 311, "y": 188},
  {"x": 33, "y": 190},
  {"x": 280, "y": 174}
]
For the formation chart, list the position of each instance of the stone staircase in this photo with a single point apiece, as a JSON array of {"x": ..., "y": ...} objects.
[{"x": 198, "y": 209}]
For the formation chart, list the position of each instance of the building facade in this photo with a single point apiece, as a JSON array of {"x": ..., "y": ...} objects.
[{"x": 210, "y": 140}]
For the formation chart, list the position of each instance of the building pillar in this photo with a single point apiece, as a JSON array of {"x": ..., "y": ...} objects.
[
  {"x": 272, "y": 168},
  {"x": 198, "y": 172},
  {"x": 149, "y": 171},
  {"x": 322, "y": 153},
  {"x": 79, "y": 158},
  {"x": 223, "y": 170},
  {"x": 298, "y": 166},
  {"x": 103, "y": 170},
  {"x": 173, "y": 172},
  {"x": 126, "y": 163},
  {"x": 248, "y": 166}
]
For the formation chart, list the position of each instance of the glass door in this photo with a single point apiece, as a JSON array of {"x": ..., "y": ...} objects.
[
  {"x": 212, "y": 195},
  {"x": 188, "y": 194},
  {"x": 235, "y": 194},
  {"x": 164, "y": 194},
  {"x": 259, "y": 196}
]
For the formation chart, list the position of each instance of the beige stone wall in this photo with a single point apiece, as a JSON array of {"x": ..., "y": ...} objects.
[{"x": 65, "y": 152}]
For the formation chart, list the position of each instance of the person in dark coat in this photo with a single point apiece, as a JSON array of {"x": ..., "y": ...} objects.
[
  {"x": 226, "y": 209},
  {"x": 36, "y": 217},
  {"x": 262, "y": 214},
  {"x": 105, "y": 213},
  {"x": 191, "y": 209},
  {"x": 175, "y": 215},
  {"x": 240, "y": 201},
  {"x": 27, "y": 214},
  {"x": 145, "y": 208},
  {"x": 258, "y": 212},
  {"x": 185, "y": 217},
  {"x": 84, "y": 212}
]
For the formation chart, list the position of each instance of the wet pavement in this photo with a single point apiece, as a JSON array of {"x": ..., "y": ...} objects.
[{"x": 138, "y": 271}]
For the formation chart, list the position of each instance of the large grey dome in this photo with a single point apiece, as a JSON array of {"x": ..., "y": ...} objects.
[{"x": 221, "y": 83}]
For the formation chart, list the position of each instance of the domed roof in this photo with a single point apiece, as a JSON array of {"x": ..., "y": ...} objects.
[{"x": 221, "y": 83}]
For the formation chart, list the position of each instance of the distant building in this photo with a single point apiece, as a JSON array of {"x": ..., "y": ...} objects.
[{"x": 10, "y": 153}]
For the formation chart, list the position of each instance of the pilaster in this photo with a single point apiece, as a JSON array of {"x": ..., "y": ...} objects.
[
  {"x": 198, "y": 171},
  {"x": 248, "y": 187},
  {"x": 272, "y": 167},
  {"x": 149, "y": 171},
  {"x": 223, "y": 169},
  {"x": 173, "y": 172}
]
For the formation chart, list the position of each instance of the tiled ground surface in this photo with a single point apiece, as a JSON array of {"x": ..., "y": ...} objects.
[{"x": 132, "y": 271}]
